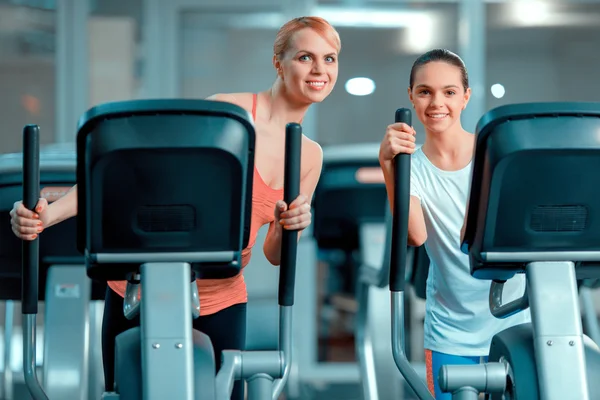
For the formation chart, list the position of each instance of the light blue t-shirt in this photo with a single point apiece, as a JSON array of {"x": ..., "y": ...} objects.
[{"x": 458, "y": 320}]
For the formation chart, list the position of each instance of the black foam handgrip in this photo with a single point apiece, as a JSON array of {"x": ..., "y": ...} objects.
[
  {"x": 291, "y": 190},
  {"x": 401, "y": 207},
  {"x": 31, "y": 193}
]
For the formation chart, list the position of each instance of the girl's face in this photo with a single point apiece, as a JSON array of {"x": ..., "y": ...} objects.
[
  {"x": 309, "y": 68},
  {"x": 438, "y": 95}
]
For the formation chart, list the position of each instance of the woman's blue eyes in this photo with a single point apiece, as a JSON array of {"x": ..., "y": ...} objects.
[{"x": 307, "y": 58}]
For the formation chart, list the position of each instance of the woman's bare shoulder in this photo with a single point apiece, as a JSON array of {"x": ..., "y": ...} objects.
[
  {"x": 312, "y": 153},
  {"x": 243, "y": 100}
]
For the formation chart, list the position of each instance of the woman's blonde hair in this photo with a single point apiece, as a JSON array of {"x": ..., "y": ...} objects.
[{"x": 319, "y": 25}]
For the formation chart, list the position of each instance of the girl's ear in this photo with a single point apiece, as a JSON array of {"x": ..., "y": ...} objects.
[{"x": 466, "y": 98}]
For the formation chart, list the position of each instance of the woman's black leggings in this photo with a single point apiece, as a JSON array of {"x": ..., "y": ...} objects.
[{"x": 226, "y": 330}]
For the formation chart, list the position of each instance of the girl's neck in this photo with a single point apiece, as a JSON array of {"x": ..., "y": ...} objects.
[
  {"x": 449, "y": 144},
  {"x": 450, "y": 150}
]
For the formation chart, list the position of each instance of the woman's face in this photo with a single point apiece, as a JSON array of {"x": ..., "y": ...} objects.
[{"x": 309, "y": 68}]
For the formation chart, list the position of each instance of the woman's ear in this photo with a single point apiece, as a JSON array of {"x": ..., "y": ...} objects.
[{"x": 277, "y": 66}]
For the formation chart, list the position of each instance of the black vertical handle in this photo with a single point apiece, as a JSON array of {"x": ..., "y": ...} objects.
[
  {"x": 401, "y": 206},
  {"x": 291, "y": 190},
  {"x": 31, "y": 194}
]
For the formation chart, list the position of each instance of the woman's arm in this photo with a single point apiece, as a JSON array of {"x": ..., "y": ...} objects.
[
  {"x": 27, "y": 224},
  {"x": 63, "y": 208}
]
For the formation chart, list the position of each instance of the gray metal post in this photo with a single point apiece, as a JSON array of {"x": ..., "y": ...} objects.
[
  {"x": 166, "y": 319},
  {"x": 465, "y": 393},
  {"x": 29, "y": 370},
  {"x": 285, "y": 349},
  {"x": 471, "y": 48},
  {"x": 96, "y": 370},
  {"x": 7, "y": 381},
  {"x": 364, "y": 345},
  {"x": 590, "y": 315},
  {"x": 411, "y": 376},
  {"x": 260, "y": 387},
  {"x": 72, "y": 72},
  {"x": 557, "y": 330}
]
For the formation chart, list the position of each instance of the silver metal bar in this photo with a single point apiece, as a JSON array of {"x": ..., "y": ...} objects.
[
  {"x": 260, "y": 386},
  {"x": 117, "y": 258},
  {"x": 557, "y": 331},
  {"x": 465, "y": 393},
  {"x": 195, "y": 300},
  {"x": 410, "y": 375},
  {"x": 527, "y": 257},
  {"x": 29, "y": 370},
  {"x": 131, "y": 303},
  {"x": 285, "y": 349},
  {"x": 500, "y": 310},
  {"x": 230, "y": 371},
  {"x": 7, "y": 387},
  {"x": 167, "y": 352},
  {"x": 364, "y": 345},
  {"x": 72, "y": 66},
  {"x": 96, "y": 380},
  {"x": 486, "y": 378},
  {"x": 590, "y": 315}
]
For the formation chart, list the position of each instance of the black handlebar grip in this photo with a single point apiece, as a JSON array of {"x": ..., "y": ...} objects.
[
  {"x": 291, "y": 190},
  {"x": 31, "y": 194},
  {"x": 401, "y": 207}
]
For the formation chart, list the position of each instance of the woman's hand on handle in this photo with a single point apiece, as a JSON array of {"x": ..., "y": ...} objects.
[
  {"x": 399, "y": 139},
  {"x": 27, "y": 224},
  {"x": 297, "y": 217}
]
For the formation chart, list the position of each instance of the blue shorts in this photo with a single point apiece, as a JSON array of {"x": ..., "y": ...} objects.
[{"x": 434, "y": 361}]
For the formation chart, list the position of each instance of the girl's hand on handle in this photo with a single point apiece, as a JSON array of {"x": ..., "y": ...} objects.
[
  {"x": 26, "y": 224},
  {"x": 399, "y": 138}
]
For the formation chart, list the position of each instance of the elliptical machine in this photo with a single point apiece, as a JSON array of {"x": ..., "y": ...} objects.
[
  {"x": 164, "y": 190},
  {"x": 533, "y": 195},
  {"x": 72, "y": 305}
]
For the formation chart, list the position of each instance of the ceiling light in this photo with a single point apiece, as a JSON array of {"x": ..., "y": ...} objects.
[{"x": 360, "y": 86}]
